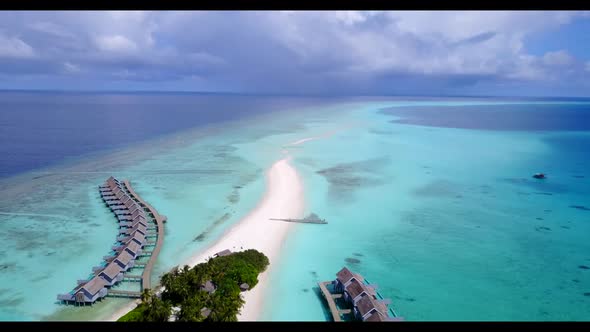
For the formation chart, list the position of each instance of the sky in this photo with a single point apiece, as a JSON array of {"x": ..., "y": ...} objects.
[{"x": 495, "y": 53}]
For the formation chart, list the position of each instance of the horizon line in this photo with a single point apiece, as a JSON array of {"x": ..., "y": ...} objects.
[{"x": 282, "y": 94}]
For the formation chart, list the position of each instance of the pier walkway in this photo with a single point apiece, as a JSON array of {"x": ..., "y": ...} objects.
[
  {"x": 124, "y": 293},
  {"x": 147, "y": 271},
  {"x": 330, "y": 299}
]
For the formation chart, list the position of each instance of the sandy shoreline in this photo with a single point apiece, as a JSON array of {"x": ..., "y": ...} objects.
[{"x": 283, "y": 199}]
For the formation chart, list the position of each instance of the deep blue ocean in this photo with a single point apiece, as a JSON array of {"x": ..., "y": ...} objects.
[{"x": 39, "y": 129}]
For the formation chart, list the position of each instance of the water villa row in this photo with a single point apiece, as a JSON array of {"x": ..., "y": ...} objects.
[
  {"x": 139, "y": 224},
  {"x": 350, "y": 294}
]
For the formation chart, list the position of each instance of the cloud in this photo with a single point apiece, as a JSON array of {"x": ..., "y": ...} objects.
[
  {"x": 305, "y": 52},
  {"x": 116, "y": 43},
  {"x": 71, "y": 68},
  {"x": 558, "y": 58},
  {"x": 476, "y": 39},
  {"x": 51, "y": 29},
  {"x": 14, "y": 47}
]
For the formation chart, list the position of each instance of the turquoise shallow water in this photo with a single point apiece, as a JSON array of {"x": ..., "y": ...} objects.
[
  {"x": 55, "y": 227},
  {"x": 446, "y": 221}
]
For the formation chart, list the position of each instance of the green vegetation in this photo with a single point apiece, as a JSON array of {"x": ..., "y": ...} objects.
[{"x": 186, "y": 288}]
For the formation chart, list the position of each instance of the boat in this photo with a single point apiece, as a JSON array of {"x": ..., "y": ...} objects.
[{"x": 539, "y": 176}]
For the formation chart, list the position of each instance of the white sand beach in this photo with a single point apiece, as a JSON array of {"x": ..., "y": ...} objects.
[{"x": 283, "y": 199}]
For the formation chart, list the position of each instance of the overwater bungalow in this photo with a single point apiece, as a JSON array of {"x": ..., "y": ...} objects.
[
  {"x": 125, "y": 199},
  {"x": 111, "y": 274},
  {"x": 139, "y": 220},
  {"x": 131, "y": 208},
  {"x": 137, "y": 228},
  {"x": 354, "y": 291},
  {"x": 130, "y": 203},
  {"x": 344, "y": 277},
  {"x": 111, "y": 180},
  {"x": 123, "y": 217},
  {"x": 132, "y": 235},
  {"x": 121, "y": 212},
  {"x": 116, "y": 190},
  {"x": 109, "y": 185},
  {"x": 134, "y": 249},
  {"x": 107, "y": 195},
  {"x": 365, "y": 303},
  {"x": 137, "y": 213},
  {"x": 118, "y": 206},
  {"x": 134, "y": 208},
  {"x": 121, "y": 194},
  {"x": 113, "y": 202},
  {"x": 137, "y": 237},
  {"x": 91, "y": 291},
  {"x": 367, "y": 306},
  {"x": 125, "y": 260},
  {"x": 376, "y": 317}
]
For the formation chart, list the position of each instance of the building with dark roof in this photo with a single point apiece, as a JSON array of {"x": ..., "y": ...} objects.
[
  {"x": 208, "y": 287},
  {"x": 344, "y": 277},
  {"x": 125, "y": 260},
  {"x": 91, "y": 291},
  {"x": 225, "y": 252},
  {"x": 354, "y": 291},
  {"x": 111, "y": 274},
  {"x": 133, "y": 248},
  {"x": 366, "y": 303}
]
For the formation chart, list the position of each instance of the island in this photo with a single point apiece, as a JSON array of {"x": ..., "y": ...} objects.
[{"x": 209, "y": 291}]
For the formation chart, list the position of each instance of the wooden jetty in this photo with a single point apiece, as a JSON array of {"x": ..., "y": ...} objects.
[
  {"x": 160, "y": 220},
  {"x": 124, "y": 293},
  {"x": 130, "y": 210},
  {"x": 311, "y": 219},
  {"x": 133, "y": 277},
  {"x": 331, "y": 303}
]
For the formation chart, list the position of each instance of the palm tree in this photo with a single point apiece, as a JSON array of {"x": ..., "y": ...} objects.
[{"x": 146, "y": 296}]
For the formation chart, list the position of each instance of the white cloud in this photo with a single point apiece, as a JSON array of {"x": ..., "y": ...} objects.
[
  {"x": 205, "y": 59},
  {"x": 14, "y": 47},
  {"x": 71, "y": 68},
  {"x": 454, "y": 43},
  {"x": 115, "y": 43},
  {"x": 558, "y": 58},
  {"x": 133, "y": 16},
  {"x": 349, "y": 17},
  {"x": 52, "y": 29}
]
